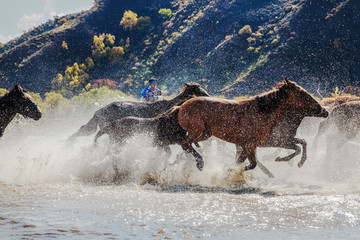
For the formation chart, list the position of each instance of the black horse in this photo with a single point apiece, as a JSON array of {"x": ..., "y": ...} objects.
[
  {"x": 118, "y": 110},
  {"x": 164, "y": 129},
  {"x": 17, "y": 101}
]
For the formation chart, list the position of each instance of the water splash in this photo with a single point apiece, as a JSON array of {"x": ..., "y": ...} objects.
[{"x": 35, "y": 152}]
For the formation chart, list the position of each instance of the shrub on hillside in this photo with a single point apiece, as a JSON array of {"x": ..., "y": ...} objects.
[
  {"x": 166, "y": 13},
  {"x": 129, "y": 20}
]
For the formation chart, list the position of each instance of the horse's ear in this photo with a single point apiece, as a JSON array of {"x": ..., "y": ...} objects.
[
  {"x": 17, "y": 87},
  {"x": 287, "y": 81},
  {"x": 186, "y": 85}
]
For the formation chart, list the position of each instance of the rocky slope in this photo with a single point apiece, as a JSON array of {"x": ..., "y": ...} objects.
[{"x": 313, "y": 42}]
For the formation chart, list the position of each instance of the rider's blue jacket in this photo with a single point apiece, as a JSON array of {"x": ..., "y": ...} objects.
[{"x": 150, "y": 95}]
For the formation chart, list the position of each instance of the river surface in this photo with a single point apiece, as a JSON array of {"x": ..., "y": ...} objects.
[{"x": 52, "y": 190}]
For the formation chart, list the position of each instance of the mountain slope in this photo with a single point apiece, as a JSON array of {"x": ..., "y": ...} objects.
[{"x": 231, "y": 47}]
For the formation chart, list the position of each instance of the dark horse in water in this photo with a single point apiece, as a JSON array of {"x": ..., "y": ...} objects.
[
  {"x": 164, "y": 129},
  {"x": 118, "y": 110},
  {"x": 246, "y": 123},
  {"x": 345, "y": 117},
  {"x": 17, "y": 101}
]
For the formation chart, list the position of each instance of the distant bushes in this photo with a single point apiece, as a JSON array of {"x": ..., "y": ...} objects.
[
  {"x": 246, "y": 30},
  {"x": 129, "y": 20},
  {"x": 166, "y": 13},
  {"x": 55, "y": 103}
]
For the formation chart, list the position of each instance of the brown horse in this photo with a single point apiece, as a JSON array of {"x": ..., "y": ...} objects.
[
  {"x": 17, "y": 101},
  {"x": 246, "y": 123},
  {"x": 284, "y": 133}
]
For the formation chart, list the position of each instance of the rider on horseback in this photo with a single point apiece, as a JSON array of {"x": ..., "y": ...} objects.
[{"x": 151, "y": 93}]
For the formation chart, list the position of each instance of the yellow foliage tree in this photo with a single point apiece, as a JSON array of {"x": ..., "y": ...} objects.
[
  {"x": 245, "y": 30},
  {"x": 102, "y": 44},
  {"x": 64, "y": 45},
  {"x": 73, "y": 82},
  {"x": 166, "y": 13},
  {"x": 99, "y": 51},
  {"x": 109, "y": 39},
  {"x": 129, "y": 20},
  {"x": 116, "y": 55},
  {"x": 3, "y": 91},
  {"x": 89, "y": 63}
]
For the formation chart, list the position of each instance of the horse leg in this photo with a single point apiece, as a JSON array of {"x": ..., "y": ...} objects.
[
  {"x": 238, "y": 152},
  {"x": 304, "y": 154},
  {"x": 85, "y": 130},
  {"x": 167, "y": 151},
  {"x": 189, "y": 149},
  {"x": 240, "y": 157},
  {"x": 252, "y": 160},
  {"x": 324, "y": 125},
  {"x": 291, "y": 146}
]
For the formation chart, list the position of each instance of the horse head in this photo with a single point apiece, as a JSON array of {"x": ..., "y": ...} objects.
[
  {"x": 299, "y": 99},
  {"x": 193, "y": 89},
  {"x": 24, "y": 103}
]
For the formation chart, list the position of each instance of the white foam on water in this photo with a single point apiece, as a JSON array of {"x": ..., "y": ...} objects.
[
  {"x": 157, "y": 197},
  {"x": 35, "y": 152}
]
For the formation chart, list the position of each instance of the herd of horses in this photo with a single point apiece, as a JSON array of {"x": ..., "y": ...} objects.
[{"x": 270, "y": 119}]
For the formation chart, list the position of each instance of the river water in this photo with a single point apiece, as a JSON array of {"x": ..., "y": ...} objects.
[{"x": 51, "y": 190}]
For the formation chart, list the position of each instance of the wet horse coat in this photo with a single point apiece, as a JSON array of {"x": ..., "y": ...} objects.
[
  {"x": 17, "y": 101},
  {"x": 246, "y": 123},
  {"x": 164, "y": 128},
  {"x": 346, "y": 118}
]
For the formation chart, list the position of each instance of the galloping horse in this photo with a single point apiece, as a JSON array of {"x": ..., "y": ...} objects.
[
  {"x": 164, "y": 129},
  {"x": 118, "y": 110},
  {"x": 17, "y": 101},
  {"x": 246, "y": 123},
  {"x": 346, "y": 117},
  {"x": 283, "y": 136}
]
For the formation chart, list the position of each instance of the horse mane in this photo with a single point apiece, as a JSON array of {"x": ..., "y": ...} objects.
[
  {"x": 177, "y": 100},
  {"x": 270, "y": 100},
  {"x": 11, "y": 92}
]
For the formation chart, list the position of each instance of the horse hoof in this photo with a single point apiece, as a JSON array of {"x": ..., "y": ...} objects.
[
  {"x": 278, "y": 159},
  {"x": 300, "y": 164},
  {"x": 200, "y": 165}
]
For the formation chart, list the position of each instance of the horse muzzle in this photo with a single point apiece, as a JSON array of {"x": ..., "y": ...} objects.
[
  {"x": 37, "y": 116},
  {"x": 323, "y": 113}
]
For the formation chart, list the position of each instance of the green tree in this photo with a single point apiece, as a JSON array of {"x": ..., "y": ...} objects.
[
  {"x": 129, "y": 20},
  {"x": 54, "y": 101},
  {"x": 143, "y": 23}
]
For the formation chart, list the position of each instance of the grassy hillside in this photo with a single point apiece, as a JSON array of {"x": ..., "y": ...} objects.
[{"x": 231, "y": 47}]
